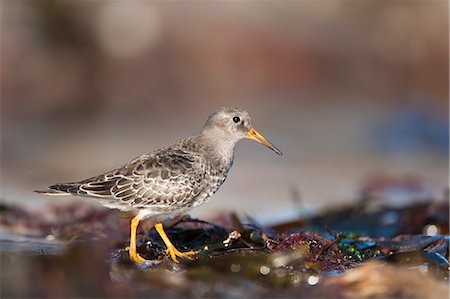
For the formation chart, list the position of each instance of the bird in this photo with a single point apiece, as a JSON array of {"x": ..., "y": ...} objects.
[{"x": 172, "y": 180}]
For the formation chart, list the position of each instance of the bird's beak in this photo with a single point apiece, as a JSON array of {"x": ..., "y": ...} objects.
[{"x": 252, "y": 134}]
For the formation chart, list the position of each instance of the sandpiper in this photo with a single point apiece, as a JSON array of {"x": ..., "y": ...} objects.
[{"x": 172, "y": 180}]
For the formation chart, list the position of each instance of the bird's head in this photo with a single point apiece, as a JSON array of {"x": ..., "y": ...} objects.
[{"x": 232, "y": 125}]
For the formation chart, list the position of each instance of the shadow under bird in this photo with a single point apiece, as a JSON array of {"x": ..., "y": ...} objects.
[{"x": 172, "y": 180}]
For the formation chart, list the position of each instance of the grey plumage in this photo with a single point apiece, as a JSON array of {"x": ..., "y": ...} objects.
[{"x": 173, "y": 179}]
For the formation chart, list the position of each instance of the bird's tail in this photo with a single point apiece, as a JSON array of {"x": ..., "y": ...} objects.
[
  {"x": 61, "y": 189},
  {"x": 51, "y": 192}
]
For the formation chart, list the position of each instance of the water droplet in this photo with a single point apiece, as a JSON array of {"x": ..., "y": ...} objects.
[
  {"x": 264, "y": 270},
  {"x": 235, "y": 268},
  {"x": 431, "y": 230},
  {"x": 313, "y": 280}
]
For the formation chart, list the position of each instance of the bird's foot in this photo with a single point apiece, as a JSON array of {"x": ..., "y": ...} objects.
[
  {"x": 140, "y": 261},
  {"x": 135, "y": 257},
  {"x": 174, "y": 253}
]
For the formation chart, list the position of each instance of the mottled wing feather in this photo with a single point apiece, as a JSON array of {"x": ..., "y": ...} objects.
[{"x": 167, "y": 178}]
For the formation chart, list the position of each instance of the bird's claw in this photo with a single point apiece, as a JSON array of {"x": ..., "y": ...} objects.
[
  {"x": 174, "y": 253},
  {"x": 142, "y": 262}
]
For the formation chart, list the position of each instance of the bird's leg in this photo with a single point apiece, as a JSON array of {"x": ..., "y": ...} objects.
[
  {"x": 171, "y": 250},
  {"x": 134, "y": 256}
]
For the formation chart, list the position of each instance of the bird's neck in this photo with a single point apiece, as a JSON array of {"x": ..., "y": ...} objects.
[{"x": 218, "y": 147}]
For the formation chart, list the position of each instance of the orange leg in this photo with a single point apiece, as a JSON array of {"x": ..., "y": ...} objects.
[
  {"x": 171, "y": 250},
  {"x": 134, "y": 256}
]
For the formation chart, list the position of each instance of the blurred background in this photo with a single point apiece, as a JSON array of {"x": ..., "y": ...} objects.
[{"x": 355, "y": 93}]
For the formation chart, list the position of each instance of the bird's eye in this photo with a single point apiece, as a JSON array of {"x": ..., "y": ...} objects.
[{"x": 236, "y": 119}]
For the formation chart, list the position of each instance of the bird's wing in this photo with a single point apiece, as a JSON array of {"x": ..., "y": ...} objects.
[{"x": 169, "y": 177}]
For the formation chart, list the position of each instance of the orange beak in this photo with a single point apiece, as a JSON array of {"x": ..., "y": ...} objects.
[{"x": 252, "y": 134}]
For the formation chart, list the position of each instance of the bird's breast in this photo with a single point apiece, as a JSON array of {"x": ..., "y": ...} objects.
[{"x": 215, "y": 175}]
